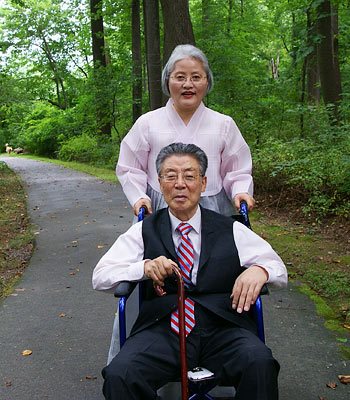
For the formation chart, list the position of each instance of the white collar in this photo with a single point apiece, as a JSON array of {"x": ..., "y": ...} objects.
[{"x": 195, "y": 221}]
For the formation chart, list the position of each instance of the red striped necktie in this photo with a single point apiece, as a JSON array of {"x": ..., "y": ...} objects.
[{"x": 185, "y": 257}]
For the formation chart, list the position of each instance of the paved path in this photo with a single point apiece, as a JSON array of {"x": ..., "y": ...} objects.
[{"x": 55, "y": 313}]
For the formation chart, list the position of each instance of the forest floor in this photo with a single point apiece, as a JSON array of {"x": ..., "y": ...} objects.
[{"x": 317, "y": 254}]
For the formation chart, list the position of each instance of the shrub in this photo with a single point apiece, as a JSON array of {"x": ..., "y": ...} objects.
[
  {"x": 318, "y": 172},
  {"x": 82, "y": 148},
  {"x": 41, "y": 130}
]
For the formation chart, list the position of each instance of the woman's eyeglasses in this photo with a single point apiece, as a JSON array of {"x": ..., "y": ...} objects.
[{"x": 180, "y": 78}]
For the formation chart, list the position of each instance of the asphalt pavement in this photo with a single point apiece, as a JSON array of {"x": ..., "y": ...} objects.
[{"x": 55, "y": 313}]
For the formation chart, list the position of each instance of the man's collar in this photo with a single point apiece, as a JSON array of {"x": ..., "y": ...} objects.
[{"x": 195, "y": 221}]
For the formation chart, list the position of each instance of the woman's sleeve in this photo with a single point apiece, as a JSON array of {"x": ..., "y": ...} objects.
[
  {"x": 236, "y": 162},
  {"x": 131, "y": 168}
]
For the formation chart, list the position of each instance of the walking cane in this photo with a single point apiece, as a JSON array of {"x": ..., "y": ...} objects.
[
  {"x": 181, "y": 310},
  {"x": 182, "y": 331}
]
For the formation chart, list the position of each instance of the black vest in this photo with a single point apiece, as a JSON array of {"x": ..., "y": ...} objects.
[{"x": 219, "y": 266}]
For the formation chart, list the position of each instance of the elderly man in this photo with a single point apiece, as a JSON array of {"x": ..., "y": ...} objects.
[{"x": 224, "y": 266}]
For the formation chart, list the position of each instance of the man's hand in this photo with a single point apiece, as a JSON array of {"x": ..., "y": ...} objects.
[
  {"x": 247, "y": 288},
  {"x": 244, "y": 197},
  {"x": 142, "y": 203},
  {"x": 158, "y": 269}
]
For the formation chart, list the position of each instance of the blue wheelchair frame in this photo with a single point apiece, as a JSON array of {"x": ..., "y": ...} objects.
[{"x": 125, "y": 288}]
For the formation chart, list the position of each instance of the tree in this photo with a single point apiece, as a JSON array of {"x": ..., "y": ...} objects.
[
  {"x": 327, "y": 52},
  {"x": 38, "y": 38},
  {"x": 101, "y": 81},
  {"x": 136, "y": 61},
  {"x": 154, "y": 65},
  {"x": 177, "y": 25},
  {"x": 312, "y": 70}
]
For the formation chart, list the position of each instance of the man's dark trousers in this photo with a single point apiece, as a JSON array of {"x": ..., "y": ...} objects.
[{"x": 150, "y": 358}]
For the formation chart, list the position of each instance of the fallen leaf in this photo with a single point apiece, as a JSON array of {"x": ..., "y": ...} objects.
[
  {"x": 62, "y": 315},
  {"x": 321, "y": 398},
  {"x": 8, "y": 383},
  {"x": 27, "y": 352},
  {"x": 331, "y": 385},
  {"x": 344, "y": 379},
  {"x": 347, "y": 326},
  {"x": 90, "y": 377}
]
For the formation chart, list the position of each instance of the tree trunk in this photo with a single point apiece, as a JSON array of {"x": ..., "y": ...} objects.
[
  {"x": 312, "y": 71},
  {"x": 136, "y": 61},
  {"x": 302, "y": 97},
  {"x": 101, "y": 81},
  {"x": 327, "y": 52},
  {"x": 177, "y": 25},
  {"x": 97, "y": 34},
  {"x": 229, "y": 17},
  {"x": 154, "y": 65},
  {"x": 62, "y": 100},
  {"x": 205, "y": 18}
]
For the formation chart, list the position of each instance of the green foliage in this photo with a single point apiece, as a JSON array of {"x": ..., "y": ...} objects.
[
  {"x": 50, "y": 98},
  {"x": 80, "y": 148},
  {"x": 316, "y": 172},
  {"x": 88, "y": 149},
  {"x": 41, "y": 130}
]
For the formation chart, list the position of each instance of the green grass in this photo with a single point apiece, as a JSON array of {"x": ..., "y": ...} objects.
[
  {"x": 320, "y": 264},
  {"x": 102, "y": 173},
  {"x": 16, "y": 236}
]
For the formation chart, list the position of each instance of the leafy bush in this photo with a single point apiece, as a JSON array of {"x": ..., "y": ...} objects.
[
  {"x": 41, "y": 130},
  {"x": 46, "y": 127},
  {"x": 87, "y": 149},
  {"x": 317, "y": 173},
  {"x": 82, "y": 148}
]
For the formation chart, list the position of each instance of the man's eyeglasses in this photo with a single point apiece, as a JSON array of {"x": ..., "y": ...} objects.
[
  {"x": 180, "y": 78},
  {"x": 188, "y": 177}
]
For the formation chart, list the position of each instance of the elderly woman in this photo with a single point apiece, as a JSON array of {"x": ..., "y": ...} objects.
[{"x": 186, "y": 78}]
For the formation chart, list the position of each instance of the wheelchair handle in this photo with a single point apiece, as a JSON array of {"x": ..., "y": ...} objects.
[
  {"x": 243, "y": 210},
  {"x": 142, "y": 213}
]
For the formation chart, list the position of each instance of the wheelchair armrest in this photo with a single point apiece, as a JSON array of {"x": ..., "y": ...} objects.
[
  {"x": 264, "y": 290},
  {"x": 124, "y": 288}
]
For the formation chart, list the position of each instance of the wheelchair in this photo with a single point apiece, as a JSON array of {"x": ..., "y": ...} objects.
[{"x": 199, "y": 380}]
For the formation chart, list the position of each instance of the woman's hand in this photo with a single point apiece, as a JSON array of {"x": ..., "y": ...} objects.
[
  {"x": 244, "y": 197},
  {"x": 142, "y": 203}
]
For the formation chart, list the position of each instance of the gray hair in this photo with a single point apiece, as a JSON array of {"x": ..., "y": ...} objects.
[
  {"x": 182, "y": 149},
  {"x": 179, "y": 53}
]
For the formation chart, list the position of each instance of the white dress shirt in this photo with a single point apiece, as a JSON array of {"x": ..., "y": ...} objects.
[
  {"x": 229, "y": 159},
  {"x": 124, "y": 261}
]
